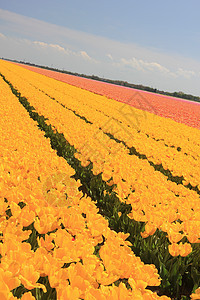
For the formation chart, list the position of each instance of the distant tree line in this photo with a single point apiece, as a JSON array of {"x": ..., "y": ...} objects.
[{"x": 117, "y": 82}]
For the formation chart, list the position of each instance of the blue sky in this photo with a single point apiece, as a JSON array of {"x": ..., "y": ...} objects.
[{"x": 154, "y": 43}]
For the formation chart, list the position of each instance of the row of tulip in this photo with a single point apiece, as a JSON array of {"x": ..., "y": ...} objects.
[
  {"x": 54, "y": 243},
  {"x": 179, "y": 110},
  {"x": 175, "y": 136},
  {"x": 136, "y": 180},
  {"x": 175, "y": 249},
  {"x": 177, "y": 148}
]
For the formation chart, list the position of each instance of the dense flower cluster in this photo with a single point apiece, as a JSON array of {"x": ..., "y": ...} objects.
[
  {"x": 48, "y": 228},
  {"x": 179, "y": 110},
  {"x": 177, "y": 148},
  {"x": 136, "y": 180}
]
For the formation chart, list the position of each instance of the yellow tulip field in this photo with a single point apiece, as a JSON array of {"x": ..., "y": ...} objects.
[{"x": 98, "y": 199}]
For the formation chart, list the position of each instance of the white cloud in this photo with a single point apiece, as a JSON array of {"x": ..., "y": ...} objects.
[
  {"x": 185, "y": 73},
  {"x": 142, "y": 65},
  {"x": 82, "y": 54},
  {"x": 145, "y": 66},
  {"x": 27, "y": 38},
  {"x": 42, "y": 44},
  {"x": 2, "y": 35},
  {"x": 87, "y": 58},
  {"x": 54, "y": 46},
  {"x": 57, "y": 47},
  {"x": 110, "y": 56},
  {"x": 85, "y": 55}
]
